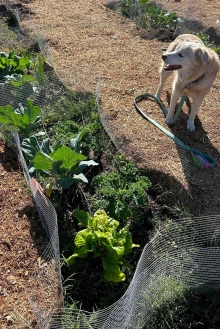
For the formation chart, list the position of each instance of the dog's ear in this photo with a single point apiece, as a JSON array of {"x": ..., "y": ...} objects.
[{"x": 202, "y": 54}]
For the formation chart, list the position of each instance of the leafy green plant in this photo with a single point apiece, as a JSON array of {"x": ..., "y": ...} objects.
[
  {"x": 122, "y": 192},
  {"x": 148, "y": 15},
  {"x": 12, "y": 64},
  {"x": 160, "y": 18},
  {"x": 30, "y": 146},
  {"x": 65, "y": 164},
  {"x": 102, "y": 238},
  {"x": 24, "y": 119},
  {"x": 64, "y": 130}
]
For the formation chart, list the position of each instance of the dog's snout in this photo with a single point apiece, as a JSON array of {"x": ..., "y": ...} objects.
[{"x": 164, "y": 57}]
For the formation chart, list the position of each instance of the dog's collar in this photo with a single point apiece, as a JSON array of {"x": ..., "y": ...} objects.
[
  {"x": 199, "y": 78},
  {"x": 187, "y": 87}
]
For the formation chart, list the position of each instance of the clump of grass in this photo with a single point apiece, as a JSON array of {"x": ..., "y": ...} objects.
[
  {"x": 175, "y": 306},
  {"x": 188, "y": 310}
]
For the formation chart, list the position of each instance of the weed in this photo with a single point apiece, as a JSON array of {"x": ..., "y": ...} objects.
[
  {"x": 181, "y": 308},
  {"x": 73, "y": 112}
]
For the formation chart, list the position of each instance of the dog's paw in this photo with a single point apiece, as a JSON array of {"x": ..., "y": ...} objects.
[
  {"x": 169, "y": 120},
  {"x": 190, "y": 126}
]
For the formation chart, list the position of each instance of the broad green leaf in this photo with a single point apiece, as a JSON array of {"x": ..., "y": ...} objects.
[
  {"x": 83, "y": 217},
  {"x": 30, "y": 147},
  {"x": 120, "y": 251},
  {"x": 69, "y": 157},
  {"x": 71, "y": 259},
  {"x": 23, "y": 81},
  {"x": 28, "y": 78},
  {"x": 104, "y": 222},
  {"x": 115, "y": 277},
  {"x": 80, "y": 178},
  {"x": 103, "y": 235},
  {"x": 84, "y": 164},
  {"x": 56, "y": 166},
  {"x": 45, "y": 146},
  {"x": 80, "y": 238},
  {"x": 31, "y": 126},
  {"x": 42, "y": 161},
  {"x": 65, "y": 182},
  {"x": 128, "y": 243},
  {"x": 83, "y": 252},
  {"x": 8, "y": 116},
  {"x": 4, "y": 60},
  {"x": 110, "y": 262},
  {"x": 24, "y": 61},
  {"x": 10, "y": 62},
  {"x": 75, "y": 142},
  {"x": 32, "y": 111}
]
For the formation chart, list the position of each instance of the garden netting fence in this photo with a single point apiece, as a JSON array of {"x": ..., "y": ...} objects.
[{"x": 184, "y": 254}]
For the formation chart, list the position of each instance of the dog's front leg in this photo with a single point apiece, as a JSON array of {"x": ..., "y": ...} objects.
[
  {"x": 195, "y": 106},
  {"x": 164, "y": 75},
  {"x": 176, "y": 94}
]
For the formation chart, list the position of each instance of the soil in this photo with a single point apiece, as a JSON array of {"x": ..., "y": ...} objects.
[
  {"x": 22, "y": 240},
  {"x": 90, "y": 43}
]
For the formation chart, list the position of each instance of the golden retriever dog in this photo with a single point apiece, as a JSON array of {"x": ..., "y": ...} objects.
[{"x": 195, "y": 67}]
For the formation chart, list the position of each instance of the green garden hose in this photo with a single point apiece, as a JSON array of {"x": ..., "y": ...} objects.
[{"x": 201, "y": 159}]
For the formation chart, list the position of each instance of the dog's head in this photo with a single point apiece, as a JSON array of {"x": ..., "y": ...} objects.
[{"x": 185, "y": 56}]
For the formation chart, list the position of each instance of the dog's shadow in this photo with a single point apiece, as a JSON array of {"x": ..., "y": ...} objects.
[{"x": 203, "y": 183}]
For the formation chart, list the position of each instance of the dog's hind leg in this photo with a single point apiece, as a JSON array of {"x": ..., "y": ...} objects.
[
  {"x": 196, "y": 103},
  {"x": 164, "y": 75}
]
